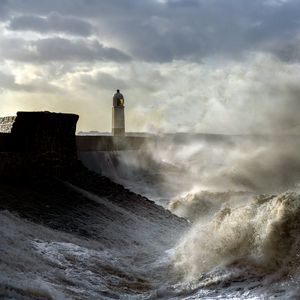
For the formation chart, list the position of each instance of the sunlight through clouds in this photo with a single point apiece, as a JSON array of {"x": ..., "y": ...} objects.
[{"x": 183, "y": 65}]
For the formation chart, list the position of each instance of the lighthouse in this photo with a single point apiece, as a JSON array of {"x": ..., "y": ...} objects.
[{"x": 118, "y": 116}]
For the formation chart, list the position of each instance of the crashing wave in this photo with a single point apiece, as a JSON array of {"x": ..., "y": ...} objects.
[
  {"x": 263, "y": 234},
  {"x": 203, "y": 204}
]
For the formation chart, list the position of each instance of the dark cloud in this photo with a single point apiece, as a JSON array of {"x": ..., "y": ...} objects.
[
  {"x": 79, "y": 50},
  {"x": 162, "y": 31},
  {"x": 54, "y": 22},
  {"x": 3, "y": 8},
  {"x": 287, "y": 50},
  {"x": 195, "y": 29},
  {"x": 59, "y": 49},
  {"x": 84, "y": 8}
]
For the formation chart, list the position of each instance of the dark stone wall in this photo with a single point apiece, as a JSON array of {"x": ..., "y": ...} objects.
[
  {"x": 45, "y": 134},
  {"x": 6, "y": 144},
  {"x": 39, "y": 143}
]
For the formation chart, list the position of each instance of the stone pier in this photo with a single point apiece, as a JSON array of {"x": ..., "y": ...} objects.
[{"x": 37, "y": 142}]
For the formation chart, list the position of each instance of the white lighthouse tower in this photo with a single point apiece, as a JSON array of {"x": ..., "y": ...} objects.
[{"x": 118, "y": 115}]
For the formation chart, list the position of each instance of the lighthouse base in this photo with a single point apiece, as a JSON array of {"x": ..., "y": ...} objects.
[{"x": 118, "y": 121}]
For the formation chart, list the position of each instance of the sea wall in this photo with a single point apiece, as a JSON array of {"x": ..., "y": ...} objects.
[
  {"x": 37, "y": 142},
  {"x": 46, "y": 134}
]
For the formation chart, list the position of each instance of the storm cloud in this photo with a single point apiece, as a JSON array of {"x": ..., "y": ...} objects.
[
  {"x": 60, "y": 49},
  {"x": 54, "y": 22},
  {"x": 165, "y": 30}
]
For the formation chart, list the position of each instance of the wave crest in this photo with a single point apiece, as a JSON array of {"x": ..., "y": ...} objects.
[
  {"x": 263, "y": 233},
  {"x": 205, "y": 203}
]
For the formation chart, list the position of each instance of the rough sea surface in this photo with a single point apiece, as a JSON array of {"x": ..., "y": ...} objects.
[{"x": 241, "y": 239}]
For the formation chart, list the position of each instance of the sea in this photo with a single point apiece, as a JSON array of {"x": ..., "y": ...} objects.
[{"x": 239, "y": 196}]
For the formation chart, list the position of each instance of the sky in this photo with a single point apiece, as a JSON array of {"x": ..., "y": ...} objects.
[{"x": 212, "y": 66}]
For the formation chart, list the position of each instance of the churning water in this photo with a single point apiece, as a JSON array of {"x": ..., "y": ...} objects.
[{"x": 240, "y": 196}]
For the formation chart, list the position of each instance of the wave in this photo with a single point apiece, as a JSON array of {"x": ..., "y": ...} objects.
[
  {"x": 172, "y": 166},
  {"x": 202, "y": 205},
  {"x": 263, "y": 234},
  {"x": 240, "y": 245}
]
